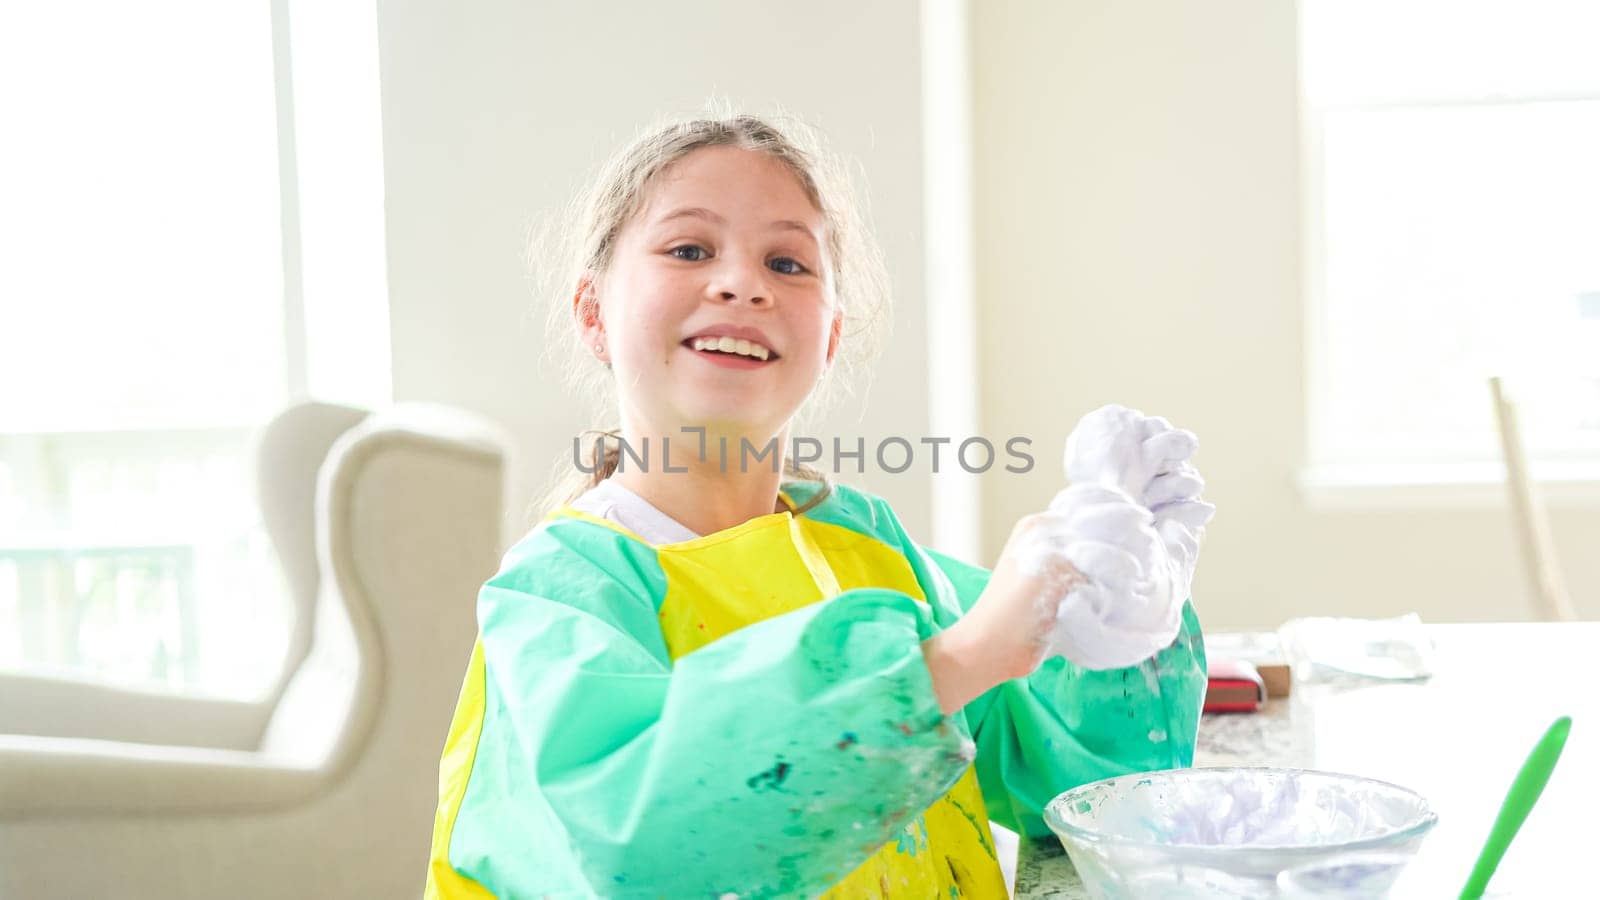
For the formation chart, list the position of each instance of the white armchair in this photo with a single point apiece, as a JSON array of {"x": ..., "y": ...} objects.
[{"x": 386, "y": 525}]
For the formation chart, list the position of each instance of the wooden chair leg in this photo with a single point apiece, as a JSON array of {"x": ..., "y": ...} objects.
[{"x": 1532, "y": 522}]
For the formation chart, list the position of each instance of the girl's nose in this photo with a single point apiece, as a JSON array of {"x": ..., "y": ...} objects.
[{"x": 740, "y": 282}]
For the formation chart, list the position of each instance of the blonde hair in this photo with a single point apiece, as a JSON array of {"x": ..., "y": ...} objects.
[{"x": 584, "y": 236}]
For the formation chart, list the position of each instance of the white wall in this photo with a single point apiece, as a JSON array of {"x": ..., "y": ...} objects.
[
  {"x": 1138, "y": 218},
  {"x": 493, "y": 112},
  {"x": 1137, "y": 196}
]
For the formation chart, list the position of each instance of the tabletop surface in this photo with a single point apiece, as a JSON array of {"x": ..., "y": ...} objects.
[{"x": 1457, "y": 738}]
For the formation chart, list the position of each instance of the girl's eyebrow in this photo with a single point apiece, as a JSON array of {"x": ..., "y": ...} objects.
[
  {"x": 692, "y": 212},
  {"x": 700, "y": 212}
]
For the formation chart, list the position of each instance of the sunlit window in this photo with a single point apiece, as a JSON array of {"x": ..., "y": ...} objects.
[
  {"x": 160, "y": 304},
  {"x": 1452, "y": 230}
]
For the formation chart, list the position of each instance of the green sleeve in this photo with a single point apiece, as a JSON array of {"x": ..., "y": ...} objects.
[
  {"x": 1064, "y": 725},
  {"x": 771, "y": 761}
]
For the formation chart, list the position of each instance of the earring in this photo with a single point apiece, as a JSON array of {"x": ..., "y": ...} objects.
[{"x": 599, "y": 348}]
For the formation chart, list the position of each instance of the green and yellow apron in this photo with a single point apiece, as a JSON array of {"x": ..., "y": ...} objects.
[{"x": 748, "y": 714}]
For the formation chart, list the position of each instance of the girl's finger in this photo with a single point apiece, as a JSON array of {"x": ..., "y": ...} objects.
[
  {"x": 1172, "y": 487},
  {"x": 1154, "y": 425},
  {"x": 1169, "y": 447},
  {"x": 1191, "y": 513}
]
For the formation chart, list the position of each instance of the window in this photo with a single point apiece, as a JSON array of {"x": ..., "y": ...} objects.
[
  {"x": 137, "y": 557},
  {"x": 160, "y": 304},
  {"x": 1453, "y": 221}
]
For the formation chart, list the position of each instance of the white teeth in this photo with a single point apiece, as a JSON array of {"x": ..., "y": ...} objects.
[{"x": 731, "y": 345}]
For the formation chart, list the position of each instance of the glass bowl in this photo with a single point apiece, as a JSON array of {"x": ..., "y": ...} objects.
[
  {"x": 1226, "y": 832},
  {"x": 1362, "y": 875}
]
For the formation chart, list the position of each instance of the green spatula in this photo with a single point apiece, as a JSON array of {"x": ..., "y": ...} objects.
[{"x": 1519, "y": 802}]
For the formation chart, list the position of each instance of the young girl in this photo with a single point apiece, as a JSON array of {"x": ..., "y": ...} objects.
[{"x": 706, "y": 679}]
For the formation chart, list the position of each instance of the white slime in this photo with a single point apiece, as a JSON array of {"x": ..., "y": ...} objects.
[{"x": 1116, "y": 549}]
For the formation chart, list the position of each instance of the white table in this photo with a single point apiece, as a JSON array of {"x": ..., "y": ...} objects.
[{"x": 1457, "y": 739}]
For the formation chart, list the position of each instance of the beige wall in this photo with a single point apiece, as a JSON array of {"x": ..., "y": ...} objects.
[
  {"x": 1138, "y": 218},
  {"x": 1137, "y": 221},
  {"x": 493, "y": 113}
]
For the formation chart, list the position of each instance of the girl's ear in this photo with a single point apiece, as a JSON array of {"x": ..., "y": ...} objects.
[
  {"x": 586, "y": 309},
  {"x": 586, "y": 315},
  {"x": 585, "y": 306},
  {"x": 833, "y": 335}
]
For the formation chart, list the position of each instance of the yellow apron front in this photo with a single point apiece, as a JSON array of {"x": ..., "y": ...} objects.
[{"x": 776, "y": 564}]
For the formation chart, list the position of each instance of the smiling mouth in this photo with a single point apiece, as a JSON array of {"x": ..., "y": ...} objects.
[{"x": 736, "y": 348}]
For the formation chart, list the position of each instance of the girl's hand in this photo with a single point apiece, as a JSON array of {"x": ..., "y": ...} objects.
[
  {"x": 1148, "y": 459},
  {"x": 1094, "y": 545},
  {"x": 1143, "y": 455},
  {"x": 1124, "y": 448}
]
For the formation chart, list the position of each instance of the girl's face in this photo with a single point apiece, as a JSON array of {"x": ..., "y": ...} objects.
[{"x": 718, "y": 308}]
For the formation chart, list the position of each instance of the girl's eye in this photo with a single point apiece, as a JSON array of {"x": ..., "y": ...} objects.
[
  {"x": 689, "y": 252},
  {"x": 784, "y": 265}
]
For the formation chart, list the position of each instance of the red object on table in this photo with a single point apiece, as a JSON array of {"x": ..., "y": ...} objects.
[{"x": 1233, "y": 685}]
